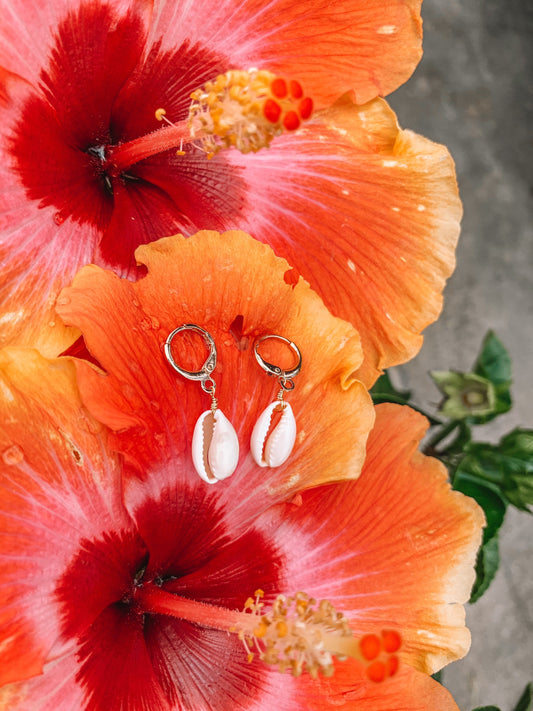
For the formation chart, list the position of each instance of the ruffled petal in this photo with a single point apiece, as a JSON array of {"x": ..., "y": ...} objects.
[
  {"x": 53, "y": 205},
  {"x": 27, "y": 30},
  {"x": 368, "y": 214},
  {"x": 58, "y": 485},
  {"x": 369, "y": 47},
  {"x": 39, "y": 252},
  {"x": 54, "y": 690},
  {"x": 237, "y": 289},
  {"x": 396, "y": 549},
  {"x": 408, "y": 690}
]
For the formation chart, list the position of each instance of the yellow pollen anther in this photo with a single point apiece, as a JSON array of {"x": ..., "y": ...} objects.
[
  {"x": 246, "y": 110},
  {"x": 296, "y": 634},
  {"x": 282, "y": 629},
  {"x": 249, "y": 603},
  {"x": 261, "y": 629},
  {"x": 159, "y": 114}
]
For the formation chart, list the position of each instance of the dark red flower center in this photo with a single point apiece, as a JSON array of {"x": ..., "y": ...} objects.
[
  {"x": 101, "y": 88},
  {"x": 131, "y": 658}
]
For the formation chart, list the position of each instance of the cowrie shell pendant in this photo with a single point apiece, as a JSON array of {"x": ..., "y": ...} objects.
[
  {"x": 271, "y": 447},
  {"x": 215, "y": 447}
]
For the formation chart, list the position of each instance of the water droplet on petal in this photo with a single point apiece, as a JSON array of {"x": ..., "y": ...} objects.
[
  {"x": 127, "y": 391},
  {"x": 58, "y": 218},
  {"x": 13, "y": 455}
]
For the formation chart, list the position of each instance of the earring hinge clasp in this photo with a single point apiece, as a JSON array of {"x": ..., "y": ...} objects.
[{"x": 204, "y": 374}]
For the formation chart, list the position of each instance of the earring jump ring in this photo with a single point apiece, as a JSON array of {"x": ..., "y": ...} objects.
[
  {"x": 272, "y": 369},
  {"x": 204, "y": 374}
]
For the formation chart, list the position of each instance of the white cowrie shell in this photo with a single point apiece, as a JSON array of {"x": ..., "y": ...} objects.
[
  {"x": 271, "y": 450},
  {"x": 215, "y": 447}
]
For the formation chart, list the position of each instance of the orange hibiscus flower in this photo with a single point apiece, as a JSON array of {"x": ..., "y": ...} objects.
[
  {"x": 121, "y": 586},
  {"x": 367, "y": 213}
]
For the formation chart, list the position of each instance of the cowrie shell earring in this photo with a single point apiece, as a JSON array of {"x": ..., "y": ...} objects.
[
  {"x": 215, "y": 446},
  {"x": 274, "y": 433}
]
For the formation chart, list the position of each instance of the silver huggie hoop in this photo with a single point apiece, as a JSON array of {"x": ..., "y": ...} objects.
[
  {"x": 271, "y": 444},
  {"x": 215, "y": 446}
]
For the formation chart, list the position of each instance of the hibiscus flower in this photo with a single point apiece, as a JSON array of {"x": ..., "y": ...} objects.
[
  {"x": 367, "y": 213},
  {"x": 124, "y": 588}
]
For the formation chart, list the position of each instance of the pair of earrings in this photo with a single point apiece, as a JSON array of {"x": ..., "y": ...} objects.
[{"x": 215, "y": 446}]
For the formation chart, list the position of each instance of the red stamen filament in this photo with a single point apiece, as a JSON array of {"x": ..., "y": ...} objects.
[
  {"x": 296, "y": 634},
  {"x": 245, "y": 110},
  {"x": 153, "y": 600},
  {"x": 123, "y": 156}
]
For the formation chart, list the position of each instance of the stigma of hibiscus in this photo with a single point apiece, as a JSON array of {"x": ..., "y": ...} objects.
[
  {"x": 239, "y": 109},
  {"x": 298, "y": 634}
]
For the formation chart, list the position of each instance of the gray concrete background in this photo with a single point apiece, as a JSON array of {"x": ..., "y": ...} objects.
[{"x": 473, "y": 91}]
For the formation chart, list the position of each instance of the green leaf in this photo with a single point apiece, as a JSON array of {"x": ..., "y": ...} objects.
[
  {"x": 506, "y": 467},
  {"x": 494, "y": 364},
  {"x": 490, "y": 501},
  {"x": 384, "y": 391},
  {"x": 526, "y": 700},
  {"x": 486, "y": 708},
  {"x": 493, "y": 361},
  {"x": 487, "y": 564},
  {"x": 494, "y": 507},
  {"x": 461, "y": 440}
]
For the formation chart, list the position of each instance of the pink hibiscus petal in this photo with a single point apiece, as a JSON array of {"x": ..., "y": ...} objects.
[
  {"x": 81, "y": 112},
  {"x": 368, "y": 214},
  {"x": 28, "y": 27},
  {"x": 79, "y": 568},
  {"x": 370, "y": 47},
  {"x": 53, "y": 690},
  {"x": 408, "y": 690},
  {"x": 38, "y": 249},
  {"x": 404, "y": 545},
  {"x": 195, "y": 544},
  {"x": 47, "y": 439}
]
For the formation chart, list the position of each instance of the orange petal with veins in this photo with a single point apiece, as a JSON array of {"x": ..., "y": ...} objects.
[
  {"x": 404, "y": 549},
  {"x": 369, "y": 47},
  {"x": 58, "y": 481},
  {"x": 368, "y": 214},
  {"x": 235, "y": 288}
]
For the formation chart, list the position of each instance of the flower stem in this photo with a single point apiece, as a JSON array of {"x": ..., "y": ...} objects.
[{"x": 439, "y": 436}]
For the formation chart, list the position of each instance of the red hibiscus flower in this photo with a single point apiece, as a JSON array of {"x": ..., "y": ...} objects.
[
  {"x": 365, "y": 212},
  {"x": 116, "y": 597},
  {"x": 125, "y": 578}
]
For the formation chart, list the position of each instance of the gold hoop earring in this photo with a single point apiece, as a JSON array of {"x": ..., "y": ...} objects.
[
  {"x": 215, "y": 446},
  {"x": 272, "y": 442}
]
